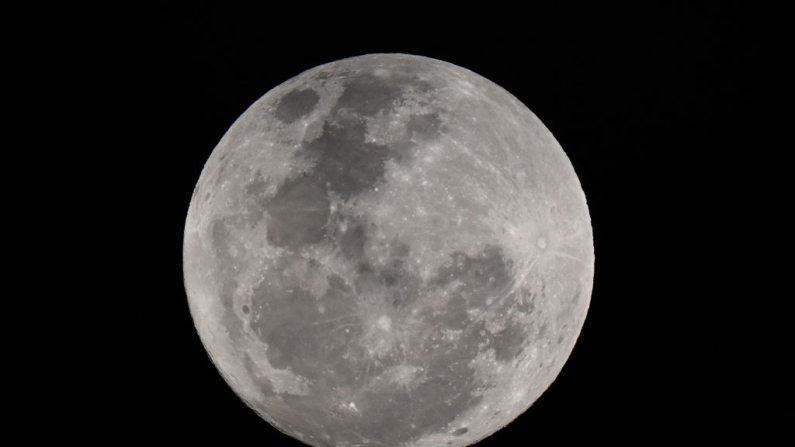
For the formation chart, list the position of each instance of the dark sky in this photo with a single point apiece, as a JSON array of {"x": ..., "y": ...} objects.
[{"x": 635, "y": 97}]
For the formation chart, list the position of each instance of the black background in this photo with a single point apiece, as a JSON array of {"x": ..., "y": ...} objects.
[{"x": 635, "y": 97}]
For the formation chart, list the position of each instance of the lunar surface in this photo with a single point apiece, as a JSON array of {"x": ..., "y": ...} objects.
[{"x": 388, "y": 250}]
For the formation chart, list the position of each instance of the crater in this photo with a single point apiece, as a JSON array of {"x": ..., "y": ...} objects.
[
  {"x": 461, "y": 431},
  {"x": 542, "y": 242}
]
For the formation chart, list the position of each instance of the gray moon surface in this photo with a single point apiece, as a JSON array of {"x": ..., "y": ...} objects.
[{"x": 388, "y": 250}]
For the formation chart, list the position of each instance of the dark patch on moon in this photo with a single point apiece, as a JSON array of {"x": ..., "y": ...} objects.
[
  {"x": 484, "y": 279},
  {"x": 265, "y": 386},
  {"x": 298, "y": 213},
  {"x": 323, "y": 75},
  {"x": 257, "y": 187},
  {"x": 424, "y": 127},
  {"x": 221, "y": 239},
  {"x": 344, "y": 162},
  {"x": 298, "y": 335},
  {"x": 487, "y": 275},
  {"x": 367, "y": 95},
  {"x": 526, "y": 301},
  {"x": 461, "y": 431},
  {"x": 509, "y": 342},
  {"x": 394, "y": 273},
  {"x": 230, "y": 319},
  {"x": 542, "y": 331},
  {"x": 353, "y": 240},
  {"x": 295, "y": 105}
]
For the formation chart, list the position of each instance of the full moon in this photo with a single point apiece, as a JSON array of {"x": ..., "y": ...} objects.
[{"x": 388, "y": 250}]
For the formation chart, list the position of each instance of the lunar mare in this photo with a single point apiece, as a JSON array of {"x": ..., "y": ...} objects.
[{"x": 388, "y": 250}]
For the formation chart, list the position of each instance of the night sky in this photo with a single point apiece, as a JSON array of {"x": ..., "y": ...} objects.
[{"x": 633, "y": 96}]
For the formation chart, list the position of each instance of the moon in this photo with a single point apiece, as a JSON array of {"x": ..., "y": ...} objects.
[{"x": 388, "y": 250}]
